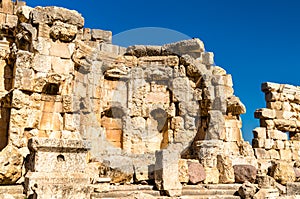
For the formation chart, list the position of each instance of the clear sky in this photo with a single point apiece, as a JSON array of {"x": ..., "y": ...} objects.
[{"x": 254, "y": 40}]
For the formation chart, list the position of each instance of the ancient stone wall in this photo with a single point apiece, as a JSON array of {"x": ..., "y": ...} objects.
[{"x": 277, "y": 138}]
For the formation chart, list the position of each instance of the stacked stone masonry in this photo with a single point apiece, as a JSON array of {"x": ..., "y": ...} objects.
[
  {"x": 276, "y": 142},
  {"x": 78, "y": 113}
]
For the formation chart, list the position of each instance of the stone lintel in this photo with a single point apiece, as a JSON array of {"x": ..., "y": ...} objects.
[{"x": 49, "y": 144}]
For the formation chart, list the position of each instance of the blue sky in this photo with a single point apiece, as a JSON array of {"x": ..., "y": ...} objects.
[{"x": 255, "y": 41}]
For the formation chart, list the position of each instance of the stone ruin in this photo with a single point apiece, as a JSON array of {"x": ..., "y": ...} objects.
[{"x": 81, "y": 117}]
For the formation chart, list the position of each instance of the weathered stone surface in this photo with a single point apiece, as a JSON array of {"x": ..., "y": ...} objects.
[
  {"x": 193, "y": 47},
  {"x": 244, "y": 173},
  {"x": 293, "y": 188},
  {"x": 265, "y": 181},
  {"x": 196, "y": 172},
  {"x": 266, "y": 193},
  {"x": 247, "y": 190},
  {"x": 11, "y": 162},
  {"x": 63, "y": 32},
  {"x": 101, "y": 35},
  {"x": 226, "y": 170},
  {"x": 235, "y": 106},
  {"x": 50, "y": 14},
  {"x": 283, "y": 172},
  {"x": 166, "y": 171}
]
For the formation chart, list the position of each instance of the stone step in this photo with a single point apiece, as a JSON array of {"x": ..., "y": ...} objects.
[
  {"x": 208, "y": 192},
  {"x": 210, "y": 197},
  {"x": 121, "y": 194},
  {"x": 11, "y": 189},
  {"x": 130, "y": 187},
  {"x": 214, "y": 186}
]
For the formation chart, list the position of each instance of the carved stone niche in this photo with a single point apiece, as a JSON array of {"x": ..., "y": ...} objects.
[{"x": 57, "y": 167}]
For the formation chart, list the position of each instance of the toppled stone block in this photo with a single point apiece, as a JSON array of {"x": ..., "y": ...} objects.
[
  {"x": 196, "y": 172},
  {"x": 247, "y": 190},
  {"x": 244, "y": 173}
]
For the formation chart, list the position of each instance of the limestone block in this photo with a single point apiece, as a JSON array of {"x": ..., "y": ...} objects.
[
  {"x": 285, "y": 125},
  {"x": 11, "y": 163},
  {"x": 285, "y": 154},
  {"x": 224, "y": 165},
  {"x": 247, "y": 190},
  {"x": 208, "y": 151},
  {"x": 233, "y": 134},
  {"x": 50, "y": 14},
  {"x": 44, "y": 30},
  {"x": 63, "y": 50},
  {"x": 42, "y": 63},
  {"x": 24, "y": 59},
  {"x": 162, "y": 61},
  {"x": 266, "y": 193},
  {"x": 182, "y": 90},
  {"x": 208, "y": 58},
  {"x": 231, "y": 148},
  {"x": 272, "y": 97},
  {"x": 283, "y": 173},
  {"x": 286, "y": 106},
  {"x": 177, "y": 123},
  {"x": 265, "y": 113},
  {"x": 192, "y": 47},
  {"x": 24, "y": 79},
  {"x": 216, "y": 125},
  {"x": 62, "y": 66},
  {"x": 11, "y": 21},
  {"x": 274, "y": 154},
  {"x": 244, "y": 173},
  {"x": 269, "y": 86},
  {"x": 261, "y": 153},
  {"x": 63, "y": 32},
  {"x": 166, "y": 172},
  {"x": 2, "y": 18},
  {"x": 277, "y": 135},
  {"x": 212, "y": 176},
  {"x": 71, "y": 122},
  {"x": 222, "y": 80},
  {"x": 265, "y": 181},
  {"x": 267, "y": 123},
  {"x": 183, "y": 170},
  {"x": 196, "y": 172},
  {"x": 101, "y": 35},
  {"x": 260, "y": 132},
  {"x": 274, "y": 105},
  {"x": 217, "y": 70}
]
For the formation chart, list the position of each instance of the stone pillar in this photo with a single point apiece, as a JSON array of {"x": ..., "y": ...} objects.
[
  {"x": 166, "y": 171},
  {"x": 57, "y": 167}
]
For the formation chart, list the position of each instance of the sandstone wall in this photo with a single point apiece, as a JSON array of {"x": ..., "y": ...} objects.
[
  {"x": 60, "y": 80},
  {"x": 277, "y": 138}
]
